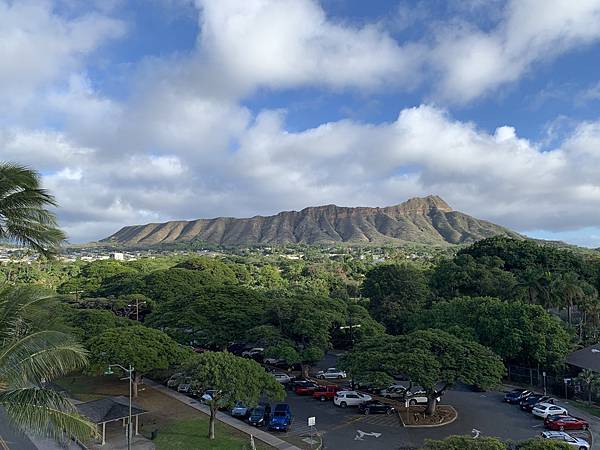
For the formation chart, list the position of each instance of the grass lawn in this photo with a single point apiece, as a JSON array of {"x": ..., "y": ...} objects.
[
  {"x": 179, "y": 426},
  {"x": 593, "y": 410},
  {"x": 192, "y": 434}
]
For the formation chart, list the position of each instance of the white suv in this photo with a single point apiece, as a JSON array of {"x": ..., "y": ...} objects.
[
  {"x": 544, "y": 410},
  {"x": 331, "y": 373},
  {"x": 350, "y": 398}
]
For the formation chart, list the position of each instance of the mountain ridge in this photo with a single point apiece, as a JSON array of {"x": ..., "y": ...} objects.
[{"x": 426, "y": 220}]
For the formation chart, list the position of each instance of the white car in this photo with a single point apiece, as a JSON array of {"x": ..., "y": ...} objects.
[
  {"x": 283, "y": 378},
  {"x": 331, "y": 373},
  {"x": 350, "y": 398},
  {"x": 253, "y": 352},
  {"x": 417, "y": 397},
  {"x": 544, "y": 410},
  {"x": 561, "y": 436}
]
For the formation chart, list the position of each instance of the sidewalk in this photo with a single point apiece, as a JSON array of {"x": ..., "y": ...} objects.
[{"x": 235, "y": 423}]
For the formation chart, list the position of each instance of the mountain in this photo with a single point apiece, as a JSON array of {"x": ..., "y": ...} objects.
[{"x": 427, "y": 220}]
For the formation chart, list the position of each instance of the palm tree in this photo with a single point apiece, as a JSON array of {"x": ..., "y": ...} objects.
[
  {"x": 24, "y": 218},
  {"x": 30, "y": 358},
  {"x": 531, "y": 280},
  {"x": 590, "y": 379},
  {"x": 570, "y": 288}
]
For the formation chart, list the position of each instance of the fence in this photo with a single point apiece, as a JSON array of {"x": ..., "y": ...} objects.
[{"x": 551, "y": 383}]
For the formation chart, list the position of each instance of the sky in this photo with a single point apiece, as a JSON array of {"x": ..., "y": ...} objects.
[{"x": 138, "y": 111}]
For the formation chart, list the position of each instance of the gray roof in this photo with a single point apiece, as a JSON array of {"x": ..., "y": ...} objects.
[
  {"x": 586, "y": 358},
  {"x": 109, "y": 409}
]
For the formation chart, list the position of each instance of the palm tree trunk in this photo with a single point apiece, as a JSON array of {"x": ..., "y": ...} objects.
[{"x": 211, "y": 422}]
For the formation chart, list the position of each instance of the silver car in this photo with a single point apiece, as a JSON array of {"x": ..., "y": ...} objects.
[
  {"x": 331, "y": 374},
  {"x": 561, "y": 436}
]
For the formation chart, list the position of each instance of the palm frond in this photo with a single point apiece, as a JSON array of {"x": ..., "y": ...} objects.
[
  {"x": 14, "y": 302},
  {"x": 45, "y": 412},
  {"x": 44, "y": 355},
  {"x": 23, "y": 215}
]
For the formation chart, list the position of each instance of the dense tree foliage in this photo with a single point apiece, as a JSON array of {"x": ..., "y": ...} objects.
[
  {"x": 518, "y": 332},
  {"x": 212, "y": 316},
  {"x": 432, "y": 359},
  {"x": 88, "y": 323},
  {"x": 231, "y": 379},
  {"x": 396, "y": 292},
  {"x": 144, "y": 348}
]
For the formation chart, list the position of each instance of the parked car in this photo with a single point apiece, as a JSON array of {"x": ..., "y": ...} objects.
[
  {"x": 281, "y": 418},
  {"x": 375, "y": 407},
  {"x": 186, "y": 386},
  {"x": 254, "y": 351},
  {"x": 561, "y": 423},
  {"x": 528, "y": 403},
  {"x": 175, "y": 380},
  {"x": 240, "y": 410},
  {"x": 394, "y": 391},
  {"x": 350, "y": 398},
  {"x": 283, "y": 378},
  {"x": 516, "y": 395},
  {"x": 238, "y": 349},
  {"x": 207, "y": 396},
  {"x": 305, "y": 387},
  {"x": 324, "y": 393},
  {"x": 561, "y": 436},
  {"x": 331, "y": 373},
  {"x": 259, "y": 416},
  {"x": 544, "y": 410},
  {"x": 418, "y": 397},
  {"x": 273, "y": 361}
]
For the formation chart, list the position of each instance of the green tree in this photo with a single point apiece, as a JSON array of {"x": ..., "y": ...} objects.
[
  {"x": 214, "y": 270},
  {"x": 516, "y": 331},
  {"x": 28, "y": 359},
  {"x": 88, "y": 323},
  {"x": 396, "y": 291},
  {"x": 232, "y": 379},
  {"x": 432, "y": 359},
  {"x": 465, "y": 443},
  {"x": 590, "y": 380},
  {"x": 144, "y": 348},
  {"x": 214, "y": 316},
  {"x": 24, "y": 217}
]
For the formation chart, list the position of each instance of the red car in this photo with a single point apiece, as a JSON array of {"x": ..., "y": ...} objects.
[
  {"x": 561, "y": 423},
  {"x": 305, "y": 388},
  {"x": 325, "y": 393}
]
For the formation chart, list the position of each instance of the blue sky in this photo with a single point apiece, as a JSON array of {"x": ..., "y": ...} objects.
[{"x": 141, "y": 111}]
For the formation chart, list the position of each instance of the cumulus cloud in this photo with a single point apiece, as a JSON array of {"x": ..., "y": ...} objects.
[
  {"x": 38, "y": 46},
  {"x": 474, "y": 62},
  {"x": 285, "y": 43}
]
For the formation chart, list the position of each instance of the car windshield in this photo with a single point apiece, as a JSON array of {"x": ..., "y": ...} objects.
[
  {"x": 279, "y": 414},
  {"x": 258, "y": 412}
]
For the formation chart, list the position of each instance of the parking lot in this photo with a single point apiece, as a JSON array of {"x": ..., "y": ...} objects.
[{"x": 481, "y": 413}]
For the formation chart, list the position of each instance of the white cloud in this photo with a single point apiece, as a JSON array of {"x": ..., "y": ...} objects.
[
  {"x": 286, "y": 43},
  {"x": 38, "y": 46},
  {"x": 473, "y": 62}
]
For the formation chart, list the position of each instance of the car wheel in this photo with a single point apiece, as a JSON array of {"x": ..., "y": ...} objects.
[
  {"x": 339, "y": 377},
  {"x": 584, "y": 427},
  {"x": 322, "y": 398},
  {"x": 343, "y": 404},
  {"x": 583, "y": 448},
  {"x": 561, "y": 428},
  {"x": 412, "y": 402},
  {"x": 367, "y": 412},
  {"x": 321, "y": 377},
  {"x": 389, "y": 411}
]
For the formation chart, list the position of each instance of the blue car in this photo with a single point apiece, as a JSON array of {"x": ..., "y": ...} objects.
[{"x": 281, "y": 419}]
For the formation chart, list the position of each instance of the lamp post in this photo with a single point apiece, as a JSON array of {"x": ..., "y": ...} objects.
[{"x": 129, "y": 373}]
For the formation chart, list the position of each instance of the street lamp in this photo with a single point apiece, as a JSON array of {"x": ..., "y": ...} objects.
[{"x": 129, "y": 373}]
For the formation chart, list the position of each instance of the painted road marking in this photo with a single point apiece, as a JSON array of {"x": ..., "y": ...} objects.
[{"x": 361, "y": 434}]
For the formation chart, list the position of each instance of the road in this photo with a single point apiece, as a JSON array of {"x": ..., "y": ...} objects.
[{"x": 13, "y": 438}]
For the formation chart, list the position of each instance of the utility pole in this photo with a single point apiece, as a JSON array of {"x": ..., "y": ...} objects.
[{"x": 129, "y": 373}]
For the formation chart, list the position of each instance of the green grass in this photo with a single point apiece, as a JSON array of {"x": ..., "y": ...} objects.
[
  {"x": 593, "y": 410},
  {"x": 191, "y": 434}
]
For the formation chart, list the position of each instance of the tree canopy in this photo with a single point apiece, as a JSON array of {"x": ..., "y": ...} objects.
[
  {"x": 144, "y": 348},
  {"x": 231, "y": 379},
  {"x": 516, "y": 331},
  {"x": 432, "y": 359}
]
